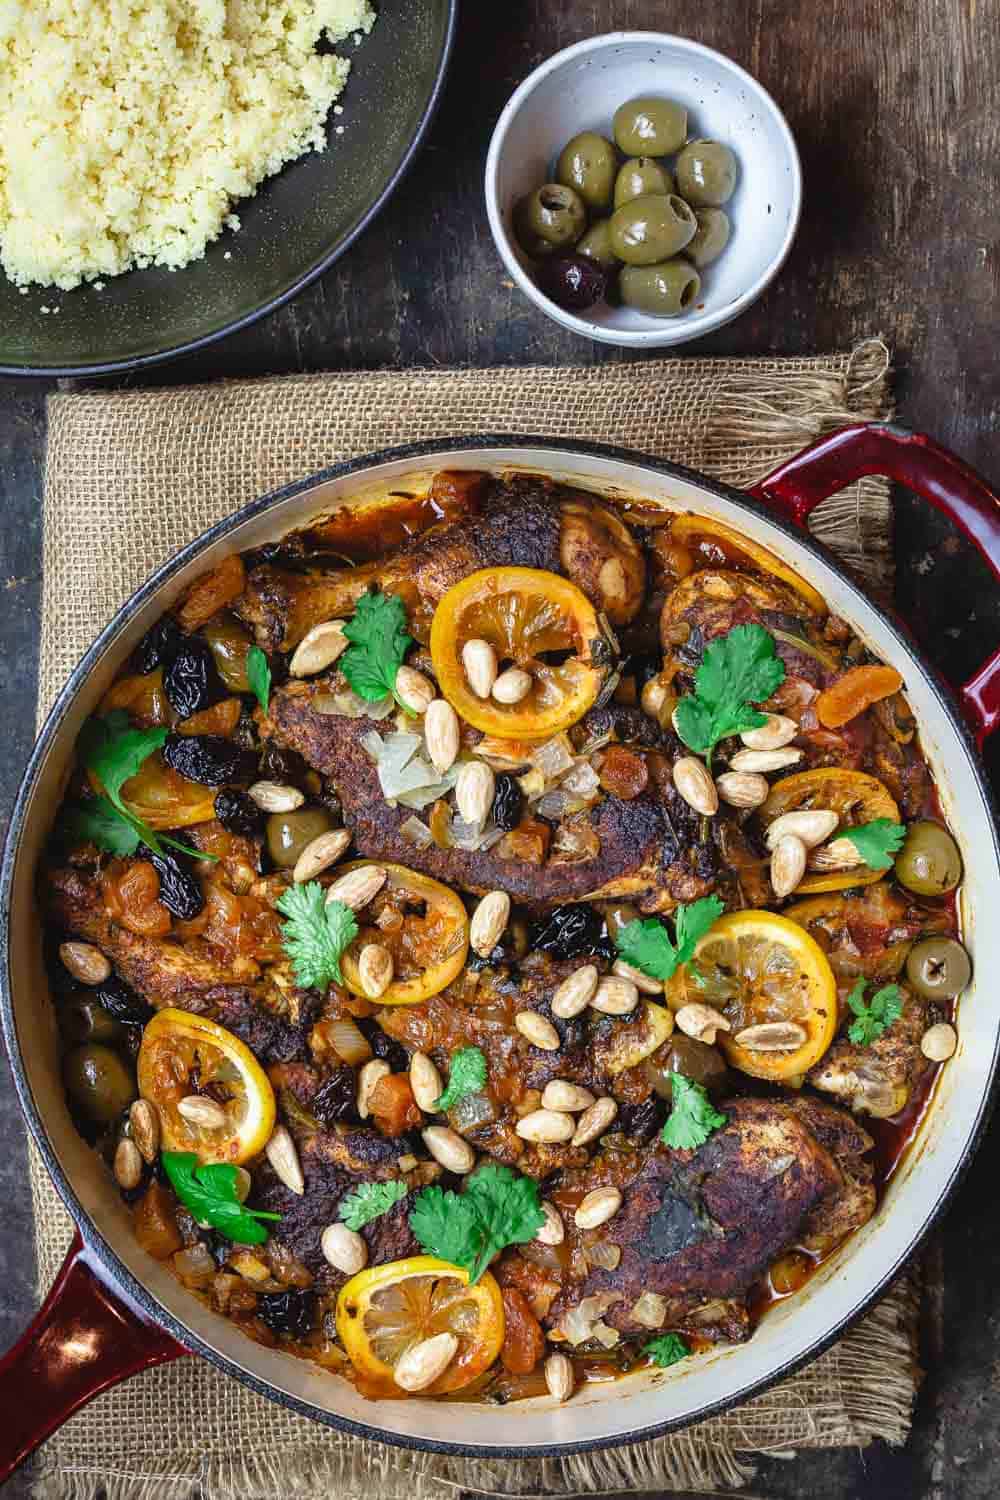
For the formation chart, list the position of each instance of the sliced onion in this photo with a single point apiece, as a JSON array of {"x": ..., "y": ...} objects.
[
  {"x": 554, "y": 758},
  {"x": 650, "y": 1310},
  {"x": 576, "y": 840},
  {"x": 581, "y": 781},
  {"x": 417, "y": 833},
  {"x": 472, "y": 1110},
  {"x": 348, "y": 1041},
  {"x": 347, "y": 705},
  {"x": 372, "y": 741},
  {"x": 607, "y": 1337},
  {"x": 423, "y": 796},
  {"x": 607, "y": 1256},
  {"x": 582, "y": 1321}
]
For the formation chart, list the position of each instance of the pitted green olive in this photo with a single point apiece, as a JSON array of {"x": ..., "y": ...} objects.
[
  {"x": 665, "y": 290},
  {"x": 551, "y": 218},
  {"x": 230, "y": 646},
  {"x": 710, "y": 238},
  {"x": 588, "y": 164},
  {"x": 706, "y": 174},
  {"x": 938, "y": 967},
  {"x": 596, "y": 245},
  {"x": 648, "y": 126},
  {"x": 289, "y": 833},
  {"x": 99, "y": 1081},
  {"x": 696, "y": 1060},
  {"x": 929, "y": 863},
  {"x": 84, "y": 1020},
  {"x": 639, "y": 176},
  {"x": 651, "y": 229}
]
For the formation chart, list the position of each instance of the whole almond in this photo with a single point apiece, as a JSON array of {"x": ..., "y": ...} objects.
[
  {"x": 480, "y": 662},
  {"x": 575, "y": 993},
  {"x": 414, "y": 690},
  {"x": 369, "y": 1078},
  {"x": 375, "y": 970},
  {"x": 742, "y": 788},
  {"x": 343, "y": 1249},
  {"x": 644, "y": 983},
  {"x": 695, "y": 785},
  {"x": 358, "y": 887},
  {"x": 811, "y": 827},
  {"x": 274, "y": 798},
  {"x": 595, "y": 1120},
  {"x": 553, "y": 1231},
  {"x": 764, "y": 760},
  {"x": 597, "y": 1208},
  {"x": 144, "y": 1123},
  {"x": 320, "y": 854},
  {"x": 537, "y": 1030},
  {"x": 839, "y": 854},
  {"x": 938, "y": 1043},
  {"x": 441, "y": 732},
  {"x": 281, "y": 1152},
  {"x": 654, "y": 695},
  {"x": 318, "y": 649},
  {"x": 570, "y": 1098},
  {"x": 701, "y": 1022},
  {"x": 199, "y": 1110},
  {"x": 489, "y": 922},
  {"x": 128, "y": 1165},
  {"x": 85, "y": 962},
  {"x": 425, "y": 1081},
  {"x": 771, "y": 1036},
  {"x": 447, "y": 1147},
  {"x": 475, "y": 790},
  {"x": 773, "y": 735},
  {"x": 559, "y": 1377},
  {"x": 425, "y": 1362},
  {"x": 511, "y": 686},
  {"x": 788, "y": 864},
  {"x": 547, "y": 1125},
  {"x": 615, "y": 996}
]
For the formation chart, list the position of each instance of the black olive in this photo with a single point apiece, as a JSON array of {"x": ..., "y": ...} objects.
[
  {"x": 239, "y": 814},
  {"x": 572, "y": 281},
  {"x": 570, "y": 932},
  {"x": 209, "y": 759},
  {"x": 121, "y": 1000},
  {"x": 508, "y": 800},
  {"x": 159, "y": 646},
  {"x": 179, "y": 890},
  {"x": 191, "y": 681},
  {"x": 292, "y": 1312},
  {"x": 337, "y": 1098}
]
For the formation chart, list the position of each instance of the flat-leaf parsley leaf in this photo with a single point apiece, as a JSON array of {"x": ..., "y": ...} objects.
[
  {"x": 646, "y": 945},
  {"x": 875, "y": 1016},
  {"x": 316, "y": 934},
  {"x": 878, "y": 842},
  {"x": 692, "y": 1118},
  {"x": 379, "y": 643},
  {"x": 209, "y": 1191},
  {"x": 259, "y": 676},
  {"x": 370, "y": 1201},
  {"x": 667, "y": 1349},
  {"x": 737, "y": 670},
  {"x": 497, "y": 1208},
  {"x": 466, "y": 1076}
]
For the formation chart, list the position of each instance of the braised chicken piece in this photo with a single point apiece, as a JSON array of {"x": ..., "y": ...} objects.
[{"x": 879, "y": 1078}]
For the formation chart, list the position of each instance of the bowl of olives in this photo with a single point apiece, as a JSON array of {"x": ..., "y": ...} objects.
[{"x": 642, "y": 189}]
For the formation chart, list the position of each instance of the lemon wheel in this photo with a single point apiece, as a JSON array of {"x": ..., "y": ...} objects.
[
  {"x": 183, "y": 1056},
  {"x": 533, "y": 620},
  {"x": 163, "y": 798},
  {"x": 735, "y": 548},
  {"x": 854, "y": 796},
  {"x": 384, "y": 1311},
  {"x": 423, "y": 924},
  {"x": 757, "y": 967}
]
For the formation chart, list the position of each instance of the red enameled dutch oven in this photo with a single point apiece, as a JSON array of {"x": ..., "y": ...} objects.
[{"x": 114, "y": 1311}]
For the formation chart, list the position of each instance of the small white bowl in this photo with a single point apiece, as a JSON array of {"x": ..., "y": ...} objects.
[{"x": 580, "y": 89}]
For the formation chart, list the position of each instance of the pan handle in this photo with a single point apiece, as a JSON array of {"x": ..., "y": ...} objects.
[
  {"x": 930, "y": 471},
  {"x": 83, "y": 1340}
]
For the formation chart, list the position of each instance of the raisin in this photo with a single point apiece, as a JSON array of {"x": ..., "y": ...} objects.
[
  {"x": 292, "y": 1312},
  {"x": 159, "y": 646},
  {"x": 121, "y": 1000},
  {"x": 623, "y": 773},
  {"x": 239, "y": 814},
  {"x": 337, "y": 1098},
  {"x": 569, "y": 932},
  {"x": 208, "y": 759},
  {"x": 642, "y": 1121},
  {"x": 286, "y": 767},
  {"x": 191, "y": 681},
  {"x": 507, "y": 803},
  {"x": 382, "y": 1045},
  {"x": 180, "y": 892}
]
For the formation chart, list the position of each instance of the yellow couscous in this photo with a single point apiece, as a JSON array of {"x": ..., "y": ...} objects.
[{"x": 128, "y": 128}]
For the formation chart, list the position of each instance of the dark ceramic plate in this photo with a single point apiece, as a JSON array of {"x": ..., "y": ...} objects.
[{"x": 293, "y": 230}]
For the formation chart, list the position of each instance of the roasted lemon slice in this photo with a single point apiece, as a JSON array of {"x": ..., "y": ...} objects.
[
  {"x": 162, "y": 798},
  {"x": 759, "y": 969},
  {"x": 533, "y": 620},
  {"x": 424, "y": 926},
  {"x": 386, "y": 1310},
  {"x": 732, "y": 548},
  {"x": 853, "y": 795},
  {"x": 185, "y": 1057}
]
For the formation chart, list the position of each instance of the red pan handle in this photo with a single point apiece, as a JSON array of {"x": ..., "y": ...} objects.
[
  {"x": 82, "y": 1341},
  {"x": 931, "y": 472}
]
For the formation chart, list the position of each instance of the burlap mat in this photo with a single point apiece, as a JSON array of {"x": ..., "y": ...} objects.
[{"x": 133, "y": 475}]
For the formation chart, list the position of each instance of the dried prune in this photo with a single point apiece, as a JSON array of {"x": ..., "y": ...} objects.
[
  {"x": 286, "y": 767},
  {"x": 642, "y": 1121},
  {"x": 382, "y": 1045},
  {"x": 191, "y": 680},
  {"x": 159, "y": 646},
  {"x": 570, "y": 932},
  {"x": 180, "y": 892},
  {"x": 337, "y": 1098},
  {"x": 208, "y": 759},
  {"x": 508, "y": 800},
  {"x": 239, "y": 814},
  {"x": 121, "y": 1000},
  {"x": 292, "y": 1312}
]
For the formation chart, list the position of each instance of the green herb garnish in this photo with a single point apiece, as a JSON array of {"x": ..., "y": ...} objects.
[
  {"x": 646, "y": 945},
  {"x": 875, "y": 1017},
  {"x": 209, "y": 1191},
  {"x": 467, "y": 1075},
  {"x": 667, "y": 1349},
  {"x": 97, "y": 822},
  {"x": 737, "y": 670},
  {"x": 379, "y": 643},
  {"x": 497, "y": 1208},
  {"x": 370, "y": 1201},
  {"x": 316, "y": 934},
  {"x": 692, "y": 1118},
  {"x": 877, "y": 842},
  {"x": 259, "y": 676}
]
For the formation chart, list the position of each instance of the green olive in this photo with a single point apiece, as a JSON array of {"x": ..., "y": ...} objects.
[
  {"x": 588, "y": 165},
  {"x": 229, "y": 644},
  {"x": 651, "y": 229},
  {"x": 929, "y": 863},
  {"x": 650, "y": 127},
  {"x": 710, "y": 238},
  {"x": 551, "y": 218},
  {"x": 664, "y": 291},
  {"x": 85, "y": 1020},
  {"x": 289, "y": 833},
  {"x": 683, "y": 1054},
  {"x": 938, "y": 967},
  {"x": 638, "y": 177},
  {"x": 596, "y": 245},
  {"x": 706, "y": 174},
  {"x": 98, "y": 1081}
]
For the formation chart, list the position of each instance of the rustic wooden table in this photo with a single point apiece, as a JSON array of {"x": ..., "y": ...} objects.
[{"x": 894, "y": 105}]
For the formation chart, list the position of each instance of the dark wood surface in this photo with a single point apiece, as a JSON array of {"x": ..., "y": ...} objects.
[{"x": 894, "y": 105}]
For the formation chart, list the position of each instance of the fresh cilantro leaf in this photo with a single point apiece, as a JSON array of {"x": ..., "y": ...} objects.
[
  {"x": 259, "y": 676},
  {"x": 209, "y": 1191},
  {"x": 667, "y": 1349},
  {"x": 379, "y": 643},
  {"x": 692, "y": 1118},
  {"x": 114, "y": 752},
  {"x": 875, "y": 1017},
  {"x": 497, "y": 1208},
  {"x": 97, "y": 822},
  {"x": 646, "y": 945},
  {"x": 117, "y": 754},
  {"x": 316, "y": 934},
  {"x": 877, "y": 842},
  {"x": 466, "y": 1076},
  {"x": 737, "y": 670},
  {"x": 370, "y": 1201}
]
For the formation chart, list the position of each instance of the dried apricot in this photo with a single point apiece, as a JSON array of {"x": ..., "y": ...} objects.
[
  {"x": 393, "y": 1106},
  {"x": 523, "y": 1339},
  {"x": 857, "y": 690},
  {"x": 211, "y": 593}
]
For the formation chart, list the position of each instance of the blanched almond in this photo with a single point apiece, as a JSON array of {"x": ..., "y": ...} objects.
[
  {"x": 489, "y": 922},
  {"x": 811, "y": 827},
  {"x": 559, "y": 1376},
  {"x": 597, "y": 1208},
  {"x": 425, "y": 1362},
  {"x": 645, "y": 983},
  {"x": 560, "y": 1094},
  {"x": 546, "y": 1125},
  {"x": 575, "y": 993},
  {"x": 839, "y": 854},
  {"x": 414, "y": 690},
  {"x": 654, "y": 695},
  {"x": 788, "y": 864},
  {"x": 615, "y": 996},
  {"x": 553, "y": 1231},
  {"x": 144, "y": 1123},
  {"x": 447, "y": 1147},
  {"x": 128, "y": 1165},
  {"x": 938, "y": 1042},
  {"x": 199, "y": 1110},
  {"x": 375, "y": 970},
  {"x": 441, "y": 733},
  {"x": 773, "y": 735},
  {"x": 537, "y": 1030},
  {"x": 369, "y": 1078},
  {"x": 480, "y": 662},
  {"x": 318, "y": 649},
  {"x": 425, "y": 1081},
  {"x": 320, "y": 854},
  {"x": 695, "y": 785},
  {"x": 343, "y": 1249},
  {"x": 358, "y": 887},
  {"x": 764, "y": 760},
  {"x": 771, "y": 1036},
  {"x": 274, "y": 798},
  {"x": 511, "y": 686},
  {"x": 281, "y": 1152},
  {"x": 475, "y": 790},
  {"x": 701, "y": 1022},
  {"x": 742, "y": 788},
  {"x": 85, "y": 962},
  {"x": 595, "y": 1120}
]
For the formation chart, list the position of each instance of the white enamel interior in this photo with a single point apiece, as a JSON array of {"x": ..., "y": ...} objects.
[
  {"x": 580, "y": 89},
  {"x": 790, "y": 1331}
]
